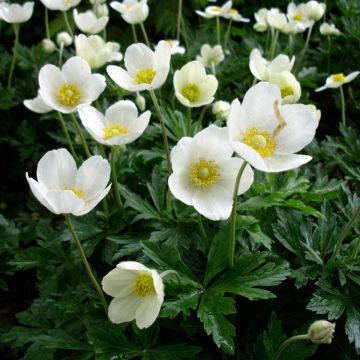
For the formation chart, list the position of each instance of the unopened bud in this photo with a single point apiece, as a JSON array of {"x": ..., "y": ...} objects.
[
  {"x": 48, "y": 45},
  {"x": 64, "y": 38},
  {"x": 102, "y": 10},
  {"x": 221, "y": 109},
  {"x": 321, "y": 332},
  {"x": 140, "y": 102}
]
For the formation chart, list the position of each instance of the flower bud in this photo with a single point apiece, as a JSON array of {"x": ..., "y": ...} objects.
[
  {"x": 329, "y": 29},
  {"x": 321, "y": 332},
  {"x": 64, "y": 38},
  {"x": 221, "y": 109},
  {"x": 48, "y": 45},
  {"x": 140, "y": 102},
  {"x": 102, "y": 10}
]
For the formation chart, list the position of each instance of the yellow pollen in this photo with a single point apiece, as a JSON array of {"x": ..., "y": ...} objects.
[
  {"x": 145, "y": 76},
  {"x": 169, "y": 42},
  {"x": 144, "y": 285},
  {"x": 67, "y": 2},
  {"x": 287, "y": 91},
  {"x": 215, "y": 8},
  {"x": 204, "y": 173},
  {"x": 69, "y": 94},
  {"x": 298, "y": 16},
  {"x": 114, "y": 130},
  {"x": 233, "y": 11},
  {"x": 340, "y": 77},
  {"x": 260, "y": 141},
  {"x": 191, "y": 92},
  {"x": 80, "y": 194}
]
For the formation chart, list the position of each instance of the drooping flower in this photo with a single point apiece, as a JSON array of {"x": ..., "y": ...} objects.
[
  {"x": 261, "y": 24},
  {"x": 290, "y": 88},
  {"x": 121, "y": 124},
  {"x": 321, "y": 332},
  {"x": 48, "y": 45},
  {"x": 262, "y": 69},
  {"x": 138, "y": 293},
  {"x": 210, "y": 56},
  {"x": 67, "y": 89},
  {"x": 314, "y": 10},
  {"x": 193, "y": 88},
  {"x": 204, "y": 173},
  {"x": 145, "y": 69},
  {"x": 88, "y": 22},
  {"x": 132, "y": 11},
  {"x": 63, "y": 38},
  {"x": 337, "y": 80},
  {"x": 62, "y": 5},
  {"x": 64, "y": 189},
  {"x": 16, "y": 13},
  {"x": 215, "y": 11},
  {"x": 95, "y": 51},
  {"x": 268, "y": 135},
  {"x": 329, "y": 29},
  {"x": 221, "y": 109}
]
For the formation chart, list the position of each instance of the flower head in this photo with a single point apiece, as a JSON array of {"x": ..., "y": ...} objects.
[
  {"x": 193, "y": 88},
  {"x": 215, "y": 11},
  {"x": 210, "y": 56},
  {"x": 321, "y": 332},
  {"x": 138, "y": 293},
  {"x": 221, "y": 109},
  {"x": 175, "y": 47},
  {"x": 64, "y": 189},
  {"x": 145, "y": 69},
  {"x": 234, "y": 15},
  {"x": 329, "y": 29},
  {"x": 16, "y": 13},
  {"x": 261, "y": 20},
  {"x": 290, "y": 88},
  {"x": 132, "y": 11},
  {"x": 298, "y": 14},
  {"x": 63, "y": 38},
  {"x": 62, "y": 5},
  {"x": 67, "y": 89},
  {"x": 276, "y": 19},
  {"x": 88, "y": 22},
  {"x": 266, "y": 134},
  {"x": 314, "y": 10},
  {"x": 337, "y": 80},
  {"x": 204, "y": 173},
  {"x": 120, "y": 125}
]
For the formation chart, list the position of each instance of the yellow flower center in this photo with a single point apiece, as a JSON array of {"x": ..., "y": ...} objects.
[
  {"x": 340, "y": 77},
  {"x": 287, "y": 91},
  {"x": 204, "y": 173},
  {"x": 260, "y": 141},
  {"x": 191, "y": 92},
  {"x": 67, "y": 2},
  {"x": 144, "y": 285},
  {"x": 233, "y": 11},
  {"x": 215, "y": 8},
  {"x": 69, "y": 94},
  {"x": 114, "y": 130},
  {"x": 169, "y": 42},
  {"x": 80, "y": 194},
  {"x": 298, "y": 16},
  {"x": 145, "y": 76}
]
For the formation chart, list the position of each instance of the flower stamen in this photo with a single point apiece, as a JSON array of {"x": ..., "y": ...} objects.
[
  {"x": 114, "y": 130},
  {"x": 191, "y": 92},
  {"x": 340, "y": 77},
  {"x": 145, "y": 76},
  {"x": 79, "y": 193},
  {"x": 69, "y": 94},
  {"x": 261, "y": 141},
  {"x": 144, "y": 285},
  {"x": 298, "y": 16},
  {"x": 286, "y": 91},
  {"x": 204, "y": 173}
]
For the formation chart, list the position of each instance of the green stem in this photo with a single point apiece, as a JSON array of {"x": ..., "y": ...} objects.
[
  {"x": 16, "y": 43},
  {"x": 184, "y": 32},
  {"x": 274, "y": 44},
  {"x": 163, "y": 130},
  {"x": 345, "y": 232},
  {"x": 80, "y": 133},
  {"x": 61, "y": 50},
  {"x": 86, "y": 264},
  {"x": 66, "y": 133},
  {"x": 232, "y": 239},
  {"x": 67, "y": 24},
  {"x": 202, "y": 231},
  {"x": 304, "y": 51},
  {"x": 47, "y": 29},
  {"x": 285, "y": 344},
  {"x": 178, "y": 27},
  {"x": 227, "y": 35},
  {"x": 145, "y": 34},
  {"x": 115, "y": 180},
  {"x": 267, "y": 44},
  {"x": 356, "y": 250},
  {"x": 342, "y": 98},
  {"x": 189, "y": 123},
  {"x": 134, "y": 33},
  {"x": 201, "y": 117},
  {"x": 213, "y": 68},
  {"x": 218, "y": 30}
]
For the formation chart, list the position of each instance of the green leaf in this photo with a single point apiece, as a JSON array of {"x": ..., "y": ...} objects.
[
  {"x": 173, "y": 352},
  {"x": 250, "y": 273},
  {"x": 212, "y": 310},
  {"x": 157, "y": 188}
]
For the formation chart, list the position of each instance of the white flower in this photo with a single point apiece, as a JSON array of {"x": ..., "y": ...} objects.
[
  {"x": 102, "y": 10},
  {"x": 16, "y": 13},
  {"x": 329, "y": 29},
  {"x": 64, "y": 189},
  {"x": 290, "y": 88},
  {"x": 95, "y": 51},
  {"x": 138, "y": 293},
  {"x": 204, "y": 173},
  {"x": 266, "y": 134},
  {"x": 120, "y": 125},
  {"x": 73, "y": 86},
  {"x": 145, "y": 69},
  {"x": 48, "y": 45},
  {"x": 234, "y": 15},
  {"x": 132, "y": 11},
  {"x": 261, "y": 20},
  {"x": 215, "y": 11},
  {"x": 37, "y": 105},
  {"x": 299, "y": 15},
  {"x": 193, "y": 88},
  {"x": 276, "y": 19},
  {"x": 64, "y": 38},
  {"x": 88, "y": 22},
  {"x": 175, "y": 47},
  {"x": 314, "y": 10},
  {"x": 210, "y": 56},
  {"x": 262, "y": 69},
  {"x": 221, "y": 109},
  {"x": 337, "y": 80},
  {"x": 62, "y": 5}
]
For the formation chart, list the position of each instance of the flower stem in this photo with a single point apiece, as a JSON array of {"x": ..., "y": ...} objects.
[
  {"x": 163, "y": 130},
  {"x": 218, "y": 30},
  {"x": 342, "y": 99},
  {"x": 274, "y": 41},
  {"x": 213, "y": 68},
  {"x": 16, "y": 43},
  {"x": 66, "y": 133},
  {"x": 134, "y": 33},
  {"x": 61, "y": 50},
  {"x": 227, "y": 35},
  {"x": 356, "y": 249},
  {"x": 285, "y": 344},
  {"x": 188, "y": 132},
  {"x": 145, "y": 34},
  {"x": 232, "y": 228},
  {"x": 202, "y": 231},
  {"x": 85, "y": 262},
  {"x": 80, "y": 133},
  {"x": 304, "y": 51},
  {"x": 184, "y": 32},
  {"x": 201, "y": 117},
  {"x": 114, "y": 178},
  {"x": 178, "y": 27},
  {"x": 67, "y": 24},
  {"x": 345, "y": 232},
  {"x": 47, "y": 29}
]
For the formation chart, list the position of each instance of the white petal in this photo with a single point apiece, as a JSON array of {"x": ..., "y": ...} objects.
[
  {"x": 37, "y": 105},
  {"x": 250, "y": 155},
  {"x": 132, "y": 265},
  {"x": 90, "y": 204},
  {"x": 39, "y": 191},
  {"x": 119, "y": 282},
  {"x": 284, "y": 162},
  {"x": 64, "y": 202},
  {"x": 351, "y": 76},
  {"x": 181, "y": 187},
  {"x": 76, "y": 71},
  {"x": 92, "y": 88},
  {"x": 147, "y": 312},
  {"x": 122, "y": 112},
  {"x": 258, "y": 65},
  {"x": 123, "y": 309},
  {"x": 138, "y": 57},
  {"x": 123, "y": 79},
  {"x": 93, "y": 121},
  {"x": 182, "y": 154},
  {"x": 279, "y": 64}
]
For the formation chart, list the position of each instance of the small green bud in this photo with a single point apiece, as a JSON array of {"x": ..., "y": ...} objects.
[{"x": 321, "y": 332}]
